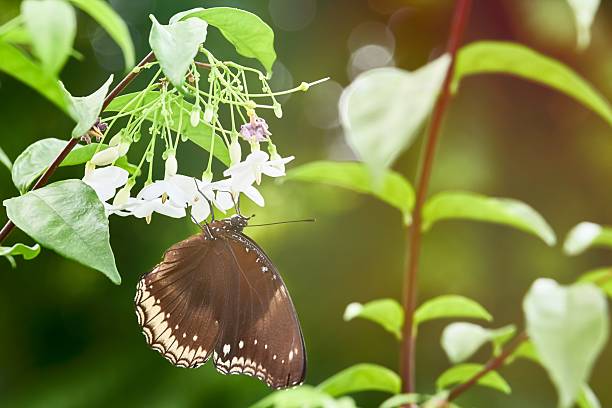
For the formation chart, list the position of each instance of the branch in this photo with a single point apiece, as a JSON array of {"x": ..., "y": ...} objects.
[
  {"x": 491, "y": 365},
  {"x": 9, "y": 226},
  {"x": 407, "y": 355}
]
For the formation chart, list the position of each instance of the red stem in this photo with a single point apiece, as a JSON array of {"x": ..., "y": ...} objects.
[
  {"x": 9, "y": 226},
  {"x": 407, "y": 355}
]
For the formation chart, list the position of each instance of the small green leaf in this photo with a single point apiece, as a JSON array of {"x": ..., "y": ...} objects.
[
  {"x": 361, "y": 377},
  {"x": 200, "y": 135},
  {"x": 450, "y": 306},
  {"x": 569, "y": 328},
  {"x": 85, "y": 110},
  {"x": 601, "y": 277},
  {"x": 584, "y": 14},
  {"x": 112, "y": 23},
  {"x": 587, "y": 235},
  {"x": 34, "y": 160},
  {"x": 251, "y": 36},
  {"x": 587, "y": 398},
  {"x": 526, "y": 351},
  {"x": 461, "y": 340},
  {"x": 394, "y": 189},
  {"x": 14, "y": 63},
  {"x": 489, "y": 57},
  {"x": 304, "y": 396},
  {"x": 505, "y": 211},
  {"x": 463, "y": 372},
  {"x": 501, "y": 336},
  {"x": 4, "y": 159},
  {"x": 19, "y": 249},
  {"x": 176, "y": 45},
  {"x": 386, "y": 312},
  {"x": 401, "y": 400},
  {"x": 68, "y": 218},
  {"x": 383, "y": 110},
  {"x": 52, "y": 28}
]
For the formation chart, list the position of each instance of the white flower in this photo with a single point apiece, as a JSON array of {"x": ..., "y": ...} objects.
[
  {"x": 228, "y": 192},
  {"x": 250, "y": 170},
  {"x": 106, "y": 180},
  {"x": 165, "y": 189},
  {"x": 145, "y": 208}
]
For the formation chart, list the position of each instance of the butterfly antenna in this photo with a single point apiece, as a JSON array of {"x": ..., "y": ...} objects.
[{"x": 282, "y": 222}]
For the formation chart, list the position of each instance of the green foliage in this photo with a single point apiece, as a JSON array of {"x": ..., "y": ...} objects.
[
  {"x": 361, "y": 377},
  {"x": 386, "y": 312},
  {"x": 393, "y": 189},
  {"x": 251, "y": 36},
  {"x": 5, "y": 160},
  {"x": 450, "y": 306},
  {"x": 51, "y": 25},
  {"x": 85, "y": 110},
  {"x": 68, "y": 218},
  {"x": 569, "y": 328},
  {"x": 584, "y": 14},
  {"x": 488, "y": 57},
  {"x": 305, "y": 396},
  {"x": 19, "y": 249},
  {"x": 505, "y": 211},
  {"x": 601, "y": 277},
  {"x": 379, "y": 121},
  {"x": 587, "y": 235},
  {"x": 112, "y": 23},
  {"x": 461, "y": 340},
  {"x": 463, "y": 372},
  {"x": 200, "y": 135},
  {"x": 16, "y": 64},
  {"x": 176, "y": 45}
]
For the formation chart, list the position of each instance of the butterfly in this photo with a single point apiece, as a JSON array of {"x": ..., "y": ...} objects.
[{"x": 217, "y": 294}]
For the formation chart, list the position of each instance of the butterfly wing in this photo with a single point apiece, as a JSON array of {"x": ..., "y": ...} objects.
[
  {"x": 179, "y": 304},
  {"x": 261, "y": 335}
]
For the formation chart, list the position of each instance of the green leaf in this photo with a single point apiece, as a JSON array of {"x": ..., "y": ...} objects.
[
  {"x": 52, "y": 28},
  {"x": 501, "y": 336},
  {"x": 569, "y": 328},
  {"x": 526, "y": 351},
  {"x": 4, "y": 159},
  {"x": 112, "y": 23},
  {"x": 587, "y": 235},
  {"x": 68, "y": 218},
  {"x": 505, "y": 211},
  {"x": 463, "y": 372},
  {"x": 400, "y": 400},
  {"x": 601, "y": 277},
  {"x": 200, "y": 135},
  {"x": 450, "y": 306},
  {"x": 34, "y": 160},
  {"x": 383, "y": 110},
  {"x": 584, "y": 14},
  {"x": 302, "y": 397},
  {"x": 19, "y": 249},
  {"x": 251, "y": 36},
  {"x": 461, "y": 340},
  {"x": 85, "y": 110},
  {"x": 490, "y": 57},
  {"x": 361, "y": 377},
  {"x": 386, "y": 312},
  {"x": 394, "y": 189},
  {"x": 176, "y": 45},
  {"x": 587, "y": 398},
  {"x": 14, "y": 63}
]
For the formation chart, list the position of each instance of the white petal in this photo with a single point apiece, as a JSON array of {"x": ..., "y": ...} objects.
[
  {"x": 112, "y": 175},
  {"x": 200, "y": 210},
  {"x": 169, "y": 210},
  {"x": 254, "y": 195},
  {"x": 224, "y": 201},
  {"x": 106, "y": 156},
  {"x": 273, "y": 170}
]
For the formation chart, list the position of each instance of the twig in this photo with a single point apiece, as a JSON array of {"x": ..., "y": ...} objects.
[
  {"x": 9, "y": 226},
  {"x": 407, "y": 354},
  {"x": 491, "y": 365}
]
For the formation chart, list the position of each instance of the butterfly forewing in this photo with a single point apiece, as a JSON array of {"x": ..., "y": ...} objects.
[{"x": 217, "y": 293}]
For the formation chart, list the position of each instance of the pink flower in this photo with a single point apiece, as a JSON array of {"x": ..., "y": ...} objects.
[{"x": 256, "y": 130}]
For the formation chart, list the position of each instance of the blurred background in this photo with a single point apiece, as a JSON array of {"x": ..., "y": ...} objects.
[{"x": 70, "y": 337}]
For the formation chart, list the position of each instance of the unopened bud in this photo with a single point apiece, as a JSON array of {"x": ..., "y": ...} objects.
[
  {"x": 207, "y": 176},
  {"x": 106, "y": 156},
  {"x": 171, "y": 165},
  {"x": 208, "y": 114},
  {"x": 278, "y": 110},
  {"x": 195, "y": 116},
  {"x": 235, "y": 152},
  {"x": 89, "y": 168},
  {"x": 122, "y": 196},
  {"x": 304, "y": 86}
]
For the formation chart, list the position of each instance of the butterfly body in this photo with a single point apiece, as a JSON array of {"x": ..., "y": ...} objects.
[{"x": 217, "y": 294}]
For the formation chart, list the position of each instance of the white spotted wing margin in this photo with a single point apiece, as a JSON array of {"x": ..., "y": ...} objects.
[{"x": 220, "y": 295}]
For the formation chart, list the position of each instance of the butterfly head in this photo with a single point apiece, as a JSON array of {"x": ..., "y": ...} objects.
[{"x": 236, "y": 222}]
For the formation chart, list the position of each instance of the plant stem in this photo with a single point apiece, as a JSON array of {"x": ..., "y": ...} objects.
[
  {"x": 491, "y": 365},
  {"x": 9, "y": 226},
  {"x": 407, "y": 353}
]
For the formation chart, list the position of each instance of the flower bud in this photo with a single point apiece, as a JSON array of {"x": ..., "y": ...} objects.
[
  {"x": 123, "y": 148},
  {"x": 304, "y": 86},
  {"x": 195, "y": 116},
  {"x": 208, "y": 114},
  {"x": 207, "y": 176},
  {"x": 235, "y": 152},
  {"x": 106, "y": 156},
  {"x": 278, "y": 110},
  {"x": 115, "y": 140},
  {"x": 89, "y": 168},
  {"x": 171, "y": 166},
  {"x": 122, "y": 196}
]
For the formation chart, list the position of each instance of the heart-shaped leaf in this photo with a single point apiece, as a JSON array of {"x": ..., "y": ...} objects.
[
  {"x": 587, "y": 235},
  {"x": 51, "y": 25},
  {"x": 463, "y": 372},
  {"x": 461, "y": 340},
  {"x": 383, "y": 109},
  {"x": 108, "y": 19},
  {"x": 450, "y": 306},
  {"x": 505, "y": 211},
  {"x": 569, "y": 327},
  {"x": 85, "y": 110},
  {"x": 251, "y": 36},
  {"x": 361, "y": 377},
  {"x": 386, "y": 312},
  {"x": 394, "y": 189},
  {"x": 68, "y": 218},
  {"x": 584, "y": 14},
  {"x": 176, "y": 45}
]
